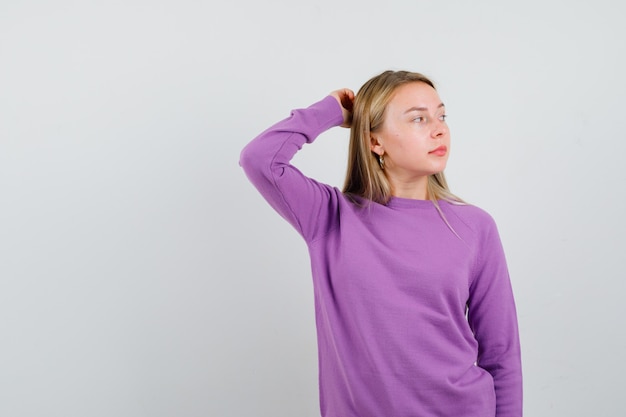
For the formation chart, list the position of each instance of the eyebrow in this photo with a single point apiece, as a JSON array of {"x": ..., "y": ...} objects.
[{"x": 422, "y": 108}]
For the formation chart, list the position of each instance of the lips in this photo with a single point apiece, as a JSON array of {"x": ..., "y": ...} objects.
[{"x": 440, "y": 151}]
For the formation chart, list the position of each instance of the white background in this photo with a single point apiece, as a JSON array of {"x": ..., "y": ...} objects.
[{"x": 142, "y": 275}]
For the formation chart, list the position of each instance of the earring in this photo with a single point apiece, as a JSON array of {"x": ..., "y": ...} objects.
[{"x": 381, "y": 162}]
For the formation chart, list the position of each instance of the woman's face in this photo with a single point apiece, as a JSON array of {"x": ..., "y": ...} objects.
[{"x": 414, "y": 136}]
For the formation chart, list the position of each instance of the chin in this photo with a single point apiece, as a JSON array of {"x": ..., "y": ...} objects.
[{"x": 438, "y": 170}]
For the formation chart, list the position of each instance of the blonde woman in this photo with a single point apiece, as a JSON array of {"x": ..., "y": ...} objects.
[{"x": 414, "y": 308}]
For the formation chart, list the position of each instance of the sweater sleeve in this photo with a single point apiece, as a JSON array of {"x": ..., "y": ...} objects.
[
  {"x": 492, "y": 316},
  {"x": 302, "y": 201}
]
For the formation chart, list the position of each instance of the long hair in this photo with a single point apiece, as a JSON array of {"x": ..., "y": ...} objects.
[{"x": 365, "y": 177}]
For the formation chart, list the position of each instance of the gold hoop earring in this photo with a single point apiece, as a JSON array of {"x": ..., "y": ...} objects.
[{"x": 381, "y": 162}]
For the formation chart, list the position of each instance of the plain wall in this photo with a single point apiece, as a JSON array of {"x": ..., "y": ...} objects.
[{"x": 142, "y": 275}]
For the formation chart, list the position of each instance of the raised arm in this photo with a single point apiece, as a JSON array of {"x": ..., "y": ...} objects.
[{"x": 305, "y": 203}]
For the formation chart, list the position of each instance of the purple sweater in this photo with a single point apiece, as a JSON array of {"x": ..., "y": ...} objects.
[{"x": 412, "y": 321}]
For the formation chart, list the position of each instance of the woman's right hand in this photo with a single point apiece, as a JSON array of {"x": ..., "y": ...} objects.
[{"x": 345, "y": 98}]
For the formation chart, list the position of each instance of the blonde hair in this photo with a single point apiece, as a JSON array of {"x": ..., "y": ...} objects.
[{"x": 365, "y": 177}]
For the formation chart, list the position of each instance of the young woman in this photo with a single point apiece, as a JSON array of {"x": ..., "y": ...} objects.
[{"x": 414, "y": 309}]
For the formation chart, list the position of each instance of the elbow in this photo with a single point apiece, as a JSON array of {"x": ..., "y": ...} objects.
[
  {"x": 246, "y": 159},
  {"x": 250, "y": 159},
  {"x": 255, "y": 163}
]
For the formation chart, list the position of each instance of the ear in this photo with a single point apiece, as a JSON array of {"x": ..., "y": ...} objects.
[{"x": 376, "y": 145}]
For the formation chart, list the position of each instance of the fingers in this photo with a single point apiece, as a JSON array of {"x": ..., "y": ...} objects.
[
  {"x": 347, "y": 100},
  {"x": 345, "y": 97}
]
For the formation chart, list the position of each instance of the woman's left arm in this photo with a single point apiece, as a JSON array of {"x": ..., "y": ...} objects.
[{"x": 493, "y": 319}]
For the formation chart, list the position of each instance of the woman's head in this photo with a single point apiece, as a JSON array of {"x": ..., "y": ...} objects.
[{"x": 398, "y": 121}]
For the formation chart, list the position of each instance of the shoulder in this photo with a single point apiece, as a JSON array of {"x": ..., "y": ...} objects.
[{"x": 473, "y": 217}]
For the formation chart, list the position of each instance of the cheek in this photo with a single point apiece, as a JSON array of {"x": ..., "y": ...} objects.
[{"x": 393, "y": 141}]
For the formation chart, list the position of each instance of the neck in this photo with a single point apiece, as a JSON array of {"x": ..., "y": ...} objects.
[{"x": 415, "y": 189}]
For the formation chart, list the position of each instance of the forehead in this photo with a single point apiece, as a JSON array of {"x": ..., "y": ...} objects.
[{"x": 416, "y": 94}]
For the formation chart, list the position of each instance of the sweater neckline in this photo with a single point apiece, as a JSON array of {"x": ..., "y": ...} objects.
[{"x": 399, "y": 202}]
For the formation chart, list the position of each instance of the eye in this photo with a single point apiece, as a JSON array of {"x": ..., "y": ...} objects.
[
  {"x": 443, "y": 117},
  {"x": 418, "y": 119}
]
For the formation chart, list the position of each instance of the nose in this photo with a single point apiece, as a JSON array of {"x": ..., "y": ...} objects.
[{"x": 439, "y": 129}]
